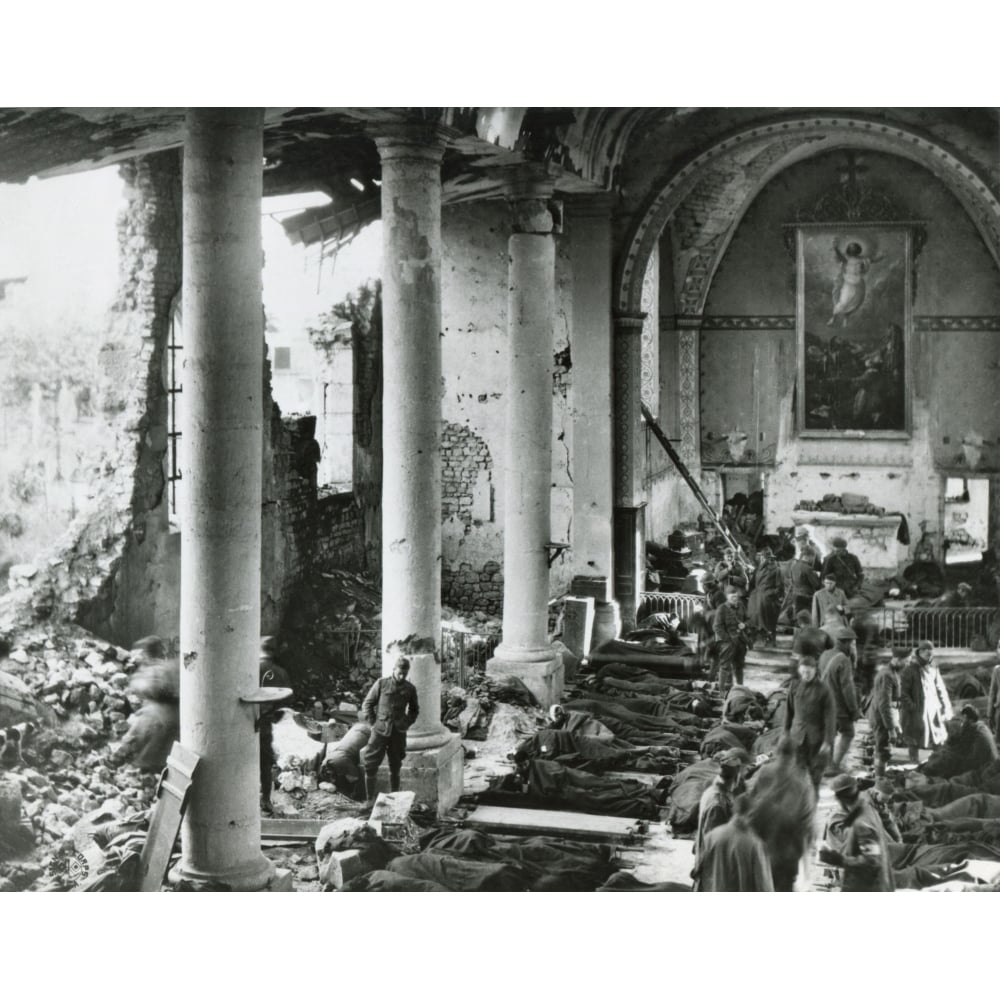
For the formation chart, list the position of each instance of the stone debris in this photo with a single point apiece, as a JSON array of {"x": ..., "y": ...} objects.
[{"x": 64, "y": 766}]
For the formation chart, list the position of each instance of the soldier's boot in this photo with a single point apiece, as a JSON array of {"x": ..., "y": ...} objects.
[
  {"x": 879, "y": 767},
  {"x": 914, "y": 755},
  {"x": 371, "y": 779},
  {"x": 394, "y": 781}
]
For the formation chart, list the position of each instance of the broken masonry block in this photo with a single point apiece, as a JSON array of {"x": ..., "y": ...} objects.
[
  {"x": 392, "y": 811},
  {"x": 341, "y": 867}
]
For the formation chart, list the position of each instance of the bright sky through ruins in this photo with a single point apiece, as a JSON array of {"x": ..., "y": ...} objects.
[{"x": 60, "y": 233}]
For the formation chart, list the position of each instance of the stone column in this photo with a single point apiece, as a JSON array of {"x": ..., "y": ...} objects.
[
  {"x": 588, "y": 230},
  {"x": 525, "y": 650},
  {"x": 629, "y": 451},
  {"x": 221, "y": 514},
  {"x": 689, "y": 407},
  {"x": 411, "y": 448}
]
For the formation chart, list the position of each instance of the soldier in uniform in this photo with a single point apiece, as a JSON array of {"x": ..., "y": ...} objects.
[{"x": 390, "y": 708}]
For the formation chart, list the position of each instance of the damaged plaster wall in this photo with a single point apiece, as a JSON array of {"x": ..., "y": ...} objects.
[
  {"x": 748, "y": 372},
  {"x": 474, "y": 362},
  {"x": 137, "y": 591},
  {"x": 117, "y": 569}
]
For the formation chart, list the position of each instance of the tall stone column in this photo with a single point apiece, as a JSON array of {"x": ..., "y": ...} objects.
[
  {"x": 221, "y": 513},
  {"x": 411, "y": 448},
  {"x": 629, "y": 450},
  {"x": 525, "y": 650},
  {"x": 588, "y": 230}
]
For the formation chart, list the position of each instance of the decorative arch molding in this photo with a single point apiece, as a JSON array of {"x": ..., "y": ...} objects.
[{"x": 755, "y": 155}]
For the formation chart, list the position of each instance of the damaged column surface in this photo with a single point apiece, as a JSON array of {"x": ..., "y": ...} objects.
[
  {"x": 411, "y": 443},
  {"x": 220, "y": 519},
  {"x": 525, "y": 651},
  {"x": 629, "y": 458}
]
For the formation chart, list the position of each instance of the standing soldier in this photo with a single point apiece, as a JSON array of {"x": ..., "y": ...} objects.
[
  {"x": 856, "y": 841},
  {"x": 837, "y": 672},
  {"x": 730, "y": 633},
  {"x": 716, "y": 806},
  {"x": 390, "y": 708},
  {"x": 883, "y": 712},
  {"x": 802, "y": 580},
  {"x": 810, "y": 719},
  {"x": 993, "y": 699},
  {"x": 829, "y": 605},
  {"x": 844, "y": 566},
  {"x": 924, "y": 703}
]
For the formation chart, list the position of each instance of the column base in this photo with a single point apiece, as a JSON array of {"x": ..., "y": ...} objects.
[
  {"x": 270, "y": 880},
  {"x": 543, "y": 678},
  {"x": 434, "y": 775}
]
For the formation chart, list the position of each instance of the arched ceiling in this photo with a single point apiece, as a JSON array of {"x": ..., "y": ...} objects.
[{"x": 708, "y": 194}]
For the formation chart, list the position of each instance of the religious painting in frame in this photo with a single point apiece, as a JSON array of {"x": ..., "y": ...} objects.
[{"x": 854, "y": 323}]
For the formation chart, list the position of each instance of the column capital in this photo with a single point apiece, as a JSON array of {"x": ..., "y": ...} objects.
[
  {"x": 528, "y": 188},
  {"x": 411, "y": 141},
  {"x": 529, "y": 181},
  {"x": 689, "y": 322},
  {"x": 629, "y": 322}
]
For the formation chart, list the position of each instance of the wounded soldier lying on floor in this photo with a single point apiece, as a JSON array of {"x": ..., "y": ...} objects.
[
  {"x": 623, "y": 677},
  {"x": 939, "y": 792},
  {"x": 595, "y": 756},
  {"x": 637, "y": 729},
  {"x": 666, "y": 709},
  {"x": 583, "y": 724},
  {"x": 744, "y": 705},
  {"x": 545, "y": 784},
  {"x": 915, "y": 818},
  {"x": 919, "y": 866},
  {"x": 552, "y": 865}
]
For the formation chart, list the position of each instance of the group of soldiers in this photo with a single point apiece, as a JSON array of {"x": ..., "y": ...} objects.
[
  {"x": 388, "y": 711},
  {"x": 752, "y": 836},
  {"x": 740, "y": 609}
]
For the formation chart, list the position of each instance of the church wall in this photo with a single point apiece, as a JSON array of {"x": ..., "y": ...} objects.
[
  {"x": 748, "y": 352},
  {"x": 474, "y": 288}
]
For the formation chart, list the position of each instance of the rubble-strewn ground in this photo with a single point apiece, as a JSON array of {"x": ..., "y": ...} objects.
[{"x": 67, "y": 773}]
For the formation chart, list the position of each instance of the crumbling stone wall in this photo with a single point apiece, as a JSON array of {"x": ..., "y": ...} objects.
[
  {"x": 117, "y": 569},
  {"x": 96, "y": 570},
  {"x": 339, "y": 533},
  {"x": 474, "y": 298},
  {"x": 466, "y": 476},
  {"x": 304, "y": 530}
]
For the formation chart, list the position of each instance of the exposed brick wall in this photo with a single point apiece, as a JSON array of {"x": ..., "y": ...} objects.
[
  {"x": 471, "y": 589},
  {"x": 339, "y": 543},
  {"x": 466, "y": 464}
]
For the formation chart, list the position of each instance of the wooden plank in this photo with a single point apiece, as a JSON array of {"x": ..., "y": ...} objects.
[
  {"x": 553, "y": 822},
  {"x": 292, "y": 829},
  {"x": 171, "y": 802}
]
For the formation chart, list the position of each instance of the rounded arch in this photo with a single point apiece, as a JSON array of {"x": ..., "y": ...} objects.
[{"x": 729, "y": 174}]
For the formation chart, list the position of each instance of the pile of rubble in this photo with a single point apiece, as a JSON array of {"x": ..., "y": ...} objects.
[
  {"x": 331, "y": 638},
  {"x": 64, "y": 706}
]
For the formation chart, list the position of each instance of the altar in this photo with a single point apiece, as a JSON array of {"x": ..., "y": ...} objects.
[{"x": 872, "y": 539}]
